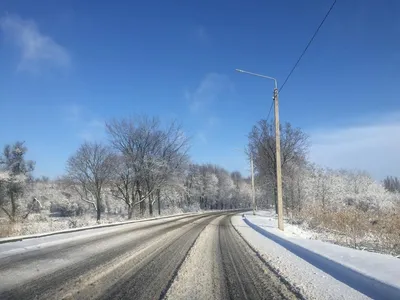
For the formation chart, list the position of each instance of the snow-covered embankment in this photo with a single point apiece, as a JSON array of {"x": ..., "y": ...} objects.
[{"x": 320, "y": 270}]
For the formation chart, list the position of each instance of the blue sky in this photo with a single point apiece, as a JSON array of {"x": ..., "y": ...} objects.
[{"x": 68, "y": 66}]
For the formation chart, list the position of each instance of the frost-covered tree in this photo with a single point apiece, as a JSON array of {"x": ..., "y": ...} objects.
[
  {"x": 209, "y": 189},
  {"x": 192, "y": 185},
  {"x": 89, "y": 171},
  {"x": 261, "y": 144},
  {"x": 15, "y": 175},
  {"x": 151, "y": 158},
  {"x": 213, "y": 187},
  {"x": 225, "y": 189},
  {"x": 245, "y": 195}
]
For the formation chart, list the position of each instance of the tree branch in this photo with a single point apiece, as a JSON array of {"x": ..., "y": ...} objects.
[{"x": 8, "y": 214}]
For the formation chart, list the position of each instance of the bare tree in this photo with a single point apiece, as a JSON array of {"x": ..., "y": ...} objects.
[
  {"x": 151, "y": 157},
  {"x": 294, "y": 148},
  {"x": 133, "y": 141},
  {"x": 124, "y": 185},
  {"x": 172, "y": 161},
  {"x": 392, "y": 184},
  {"x": 89, "y": 170}
]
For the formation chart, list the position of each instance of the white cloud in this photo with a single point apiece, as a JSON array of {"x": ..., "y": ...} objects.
[
  {"x": 211, "y": 88},
  {"x": 373, "y": 146},
  {"x": 37, "y": 50},
  {"x": 85, "y": 124}
]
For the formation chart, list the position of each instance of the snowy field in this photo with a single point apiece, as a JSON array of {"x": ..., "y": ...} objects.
[{"x": 318, "y": 269}]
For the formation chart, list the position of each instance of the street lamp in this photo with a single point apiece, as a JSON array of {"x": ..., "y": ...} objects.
[
  {"x": 259, "y": 75},
  {"x": 278, "y": 147}
]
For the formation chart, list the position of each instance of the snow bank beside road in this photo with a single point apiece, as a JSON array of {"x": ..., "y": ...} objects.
[
  {"x": 268, "y": 219},
  {"x": 382, "y": 267},
  {"x": 312, "y": 282}
]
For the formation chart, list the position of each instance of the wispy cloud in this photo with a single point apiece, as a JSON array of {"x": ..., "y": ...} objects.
[
  {"x": 372, "y": 146},
  {"x": 86, "y": 125},
  {"x": 210, "y": 89},
  {"x": 37, "y": 50}
]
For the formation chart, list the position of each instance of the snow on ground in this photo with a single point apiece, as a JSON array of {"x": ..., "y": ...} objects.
[
  {"x": 305, "y": 273},
  {"x": 268, "y": 219},
  {"x": 382, "y": 267}
]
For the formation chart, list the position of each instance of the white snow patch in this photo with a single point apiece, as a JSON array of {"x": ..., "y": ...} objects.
[
  {"x": 383, "y": 267},
  {"x": 311, "y": 281},
  {"x": 268, "y": 220}
]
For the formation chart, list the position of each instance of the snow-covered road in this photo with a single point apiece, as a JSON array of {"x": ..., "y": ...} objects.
[{"x": 186, "y": 257}]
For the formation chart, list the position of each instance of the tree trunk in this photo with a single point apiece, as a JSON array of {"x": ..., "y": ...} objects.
[
  {"x": 159, "y": 202},
  {"x": 13, "y": 207},
  {"x": 151, "y": 206},
  {"x": 142, "y": 207},
  {"x": 8, "y": 214},
  {"x": 130, "y": 211},
  {"x": 98, "y": 214},
  {"x": 142, "y": 204},
  {"x": 98, "y": 209}
]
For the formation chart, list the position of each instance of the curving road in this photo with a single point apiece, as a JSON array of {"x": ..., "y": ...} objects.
[{"x": 186, "y": 257}]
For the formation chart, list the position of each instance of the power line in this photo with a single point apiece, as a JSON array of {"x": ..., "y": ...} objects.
[
  {"x": 270, "y": 109},
  {"x": 308, "y": 45}
]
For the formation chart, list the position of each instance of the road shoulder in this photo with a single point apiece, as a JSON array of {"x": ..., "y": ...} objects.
[{"x": 309, "y": 280}]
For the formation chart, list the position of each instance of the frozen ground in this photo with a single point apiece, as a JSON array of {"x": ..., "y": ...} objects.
[{"x": 321, "y": 270}]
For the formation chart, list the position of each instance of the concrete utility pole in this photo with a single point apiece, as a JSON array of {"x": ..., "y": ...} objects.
[
  {"x": 278, "y": 148},
  {"x": 253, "y": 190},
  {"x": 278, "y": 161}
]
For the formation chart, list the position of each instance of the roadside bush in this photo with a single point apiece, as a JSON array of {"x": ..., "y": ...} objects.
[
  {"x": 67, "y": 209},
  {"x": 354, "y": 226},
  {"x": 7, "y": 229}
]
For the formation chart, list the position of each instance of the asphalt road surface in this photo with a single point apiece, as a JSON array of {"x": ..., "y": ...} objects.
[{"x": 186, "y": 257}]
